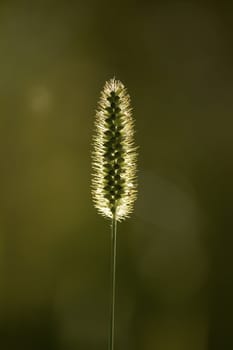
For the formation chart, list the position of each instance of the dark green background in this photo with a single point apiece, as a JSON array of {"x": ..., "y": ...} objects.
[{"x": 175, "y": 261}]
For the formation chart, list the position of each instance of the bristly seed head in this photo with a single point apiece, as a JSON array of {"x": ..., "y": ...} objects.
[{"x": 114, "y": 154}]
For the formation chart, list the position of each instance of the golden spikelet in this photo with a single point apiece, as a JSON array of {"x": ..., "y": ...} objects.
[{"x": 114, "y": 154}]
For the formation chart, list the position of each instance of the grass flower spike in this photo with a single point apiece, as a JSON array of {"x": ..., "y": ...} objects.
[
  {"x": 114, "y": 155},
  {"x": 114, "y": 167}
]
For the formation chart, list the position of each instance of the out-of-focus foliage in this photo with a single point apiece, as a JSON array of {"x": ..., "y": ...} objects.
[{"x": 175, "y": 256}]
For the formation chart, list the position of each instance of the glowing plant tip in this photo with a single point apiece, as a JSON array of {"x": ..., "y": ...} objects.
[{"x": 114, "y": 154}]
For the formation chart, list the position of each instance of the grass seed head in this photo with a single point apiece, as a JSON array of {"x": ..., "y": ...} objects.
[{"x": 114, "y": 155}]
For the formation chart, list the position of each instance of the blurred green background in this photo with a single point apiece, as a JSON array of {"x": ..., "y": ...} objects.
[{"x": 175, "y": 261}]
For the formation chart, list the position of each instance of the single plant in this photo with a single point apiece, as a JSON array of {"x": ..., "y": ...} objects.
[{"x": 114, "y": 183}]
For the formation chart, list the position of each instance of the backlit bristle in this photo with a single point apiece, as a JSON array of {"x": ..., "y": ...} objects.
[{"x": 114, "y": 154}]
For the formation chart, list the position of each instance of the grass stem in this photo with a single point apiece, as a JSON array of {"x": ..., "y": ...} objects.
[{"x": 113, "y": 281}]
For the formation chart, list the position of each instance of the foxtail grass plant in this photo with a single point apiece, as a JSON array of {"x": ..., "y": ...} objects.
[{"x": 114, "y": 162}]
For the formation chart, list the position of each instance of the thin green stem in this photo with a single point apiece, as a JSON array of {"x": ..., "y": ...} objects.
[{"x": 113, "y": 281}]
